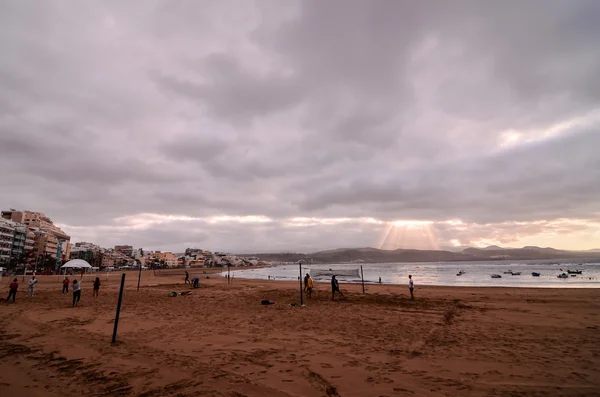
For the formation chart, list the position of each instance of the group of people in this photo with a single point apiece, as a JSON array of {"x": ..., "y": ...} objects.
[
  {"x": 335, "y": 286},
  {"x": 76, "y": 286}
]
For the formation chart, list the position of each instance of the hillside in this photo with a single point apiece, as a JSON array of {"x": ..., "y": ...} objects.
[{"x": 375, "y": 255}]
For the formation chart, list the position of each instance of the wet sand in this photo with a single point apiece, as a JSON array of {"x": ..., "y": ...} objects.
[{"x": 221, "y": 342}]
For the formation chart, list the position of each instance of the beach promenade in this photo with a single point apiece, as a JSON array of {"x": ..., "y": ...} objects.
[{"x": 221, "y": 341}]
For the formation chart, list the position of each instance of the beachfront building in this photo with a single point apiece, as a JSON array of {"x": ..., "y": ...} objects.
[
  {"x": 124, "y": 249},
  {"x": 112, "y": 258},
  {"x": 7, "y": 234},
  {"x": 168, "y": 258},
  {"x": 47, "y": 237},
  {"x": 15, "y": 241},
  {"x": 91, "y": 253}
]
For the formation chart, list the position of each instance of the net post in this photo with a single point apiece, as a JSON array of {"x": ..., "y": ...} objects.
[
  {"x": 114, "y": 337},
  {"x": 362, "y": 276},
  {"x": 300, "y": 279},
  {"x": 139, "y": 276}
]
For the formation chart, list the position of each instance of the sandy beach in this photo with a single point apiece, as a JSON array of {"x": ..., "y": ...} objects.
[{"x": 221, "y": 341}]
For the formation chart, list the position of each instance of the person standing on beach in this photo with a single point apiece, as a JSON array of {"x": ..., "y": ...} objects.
[
  {"x": 32, "y": 283},
  {"x": 76, "y": 292},
  {"x": 411, "y": 287},
  {"x": 12, "y": 290},
  {"x": 66, "y": 282},
  {"x": 96, "y": 287},
  {"x": 306, "y": 281},
  {"x": 187, "y": 277},
  {"x": 335, "y": 287},
  {"x": 309, "y": 285}
]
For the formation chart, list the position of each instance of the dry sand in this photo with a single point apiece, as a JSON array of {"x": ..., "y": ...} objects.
[{"x": 221, "y": 342}]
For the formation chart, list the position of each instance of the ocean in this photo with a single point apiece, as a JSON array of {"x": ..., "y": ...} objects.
[{"x": 477, "y": 274}]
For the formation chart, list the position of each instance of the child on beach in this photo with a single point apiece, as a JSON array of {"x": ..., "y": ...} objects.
[
  {"x": 76, "y": 292},
  {"x": 12, "y": 290},
  {"x": 96, "y": 287},
  {"x": 66, "y": 282},
  {"x": 309, "y": 285},
  {"x": 411, "y": 286},
  {"x": 32, "y": 283}
]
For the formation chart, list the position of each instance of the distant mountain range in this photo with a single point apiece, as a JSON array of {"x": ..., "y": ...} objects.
[{"x": 375, "y": 255}]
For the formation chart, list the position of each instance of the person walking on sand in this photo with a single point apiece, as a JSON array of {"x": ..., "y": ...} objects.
[
  {"x": 335, "y": 287},
  {"x": 76, "y": 292},
  {"x": 12, "y": 290},
  {"x": 187, "y": 277},
  {"x": 66, "y": 282},
  {"x": 96, "y": 287},
  {"x": 31, "y": 285},
  {"x": 309, "y": 286},
  {"x": 411, "y": 287}
]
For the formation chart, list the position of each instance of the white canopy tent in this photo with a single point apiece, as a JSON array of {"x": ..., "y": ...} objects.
[{"x": 76, "y": 263}]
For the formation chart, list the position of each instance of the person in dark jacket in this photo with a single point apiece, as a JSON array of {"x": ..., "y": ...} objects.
[{"x": 335, "y": 287}]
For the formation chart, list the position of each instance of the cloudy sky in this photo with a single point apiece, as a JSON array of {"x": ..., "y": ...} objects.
[{"x": 297, "y": 126}]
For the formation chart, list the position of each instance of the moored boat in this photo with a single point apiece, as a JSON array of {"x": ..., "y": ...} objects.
[
  {"x": 535, "y": 274},
  {"x": 515, "y": 273},
  {"x": 574, "y": 271},
  {"x": 564, "y": 275},
  {"x": 496, "y": 276}
]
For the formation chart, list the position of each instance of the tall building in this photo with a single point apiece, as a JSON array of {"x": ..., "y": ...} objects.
[
  {"x": 7, "y": 234},
  {"x": 47, "y": 237}
]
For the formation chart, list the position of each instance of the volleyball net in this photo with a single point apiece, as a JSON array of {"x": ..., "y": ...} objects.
[{"x": 345, "y": 273}]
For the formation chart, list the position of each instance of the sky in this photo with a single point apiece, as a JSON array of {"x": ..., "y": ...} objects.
[{"x": 265, "y": 126}]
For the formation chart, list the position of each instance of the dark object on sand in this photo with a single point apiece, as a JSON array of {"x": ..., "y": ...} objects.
[{"x": 266, "y": 302}]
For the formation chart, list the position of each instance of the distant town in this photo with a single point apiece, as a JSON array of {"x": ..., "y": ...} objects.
[{"x": 30, "y": 242}]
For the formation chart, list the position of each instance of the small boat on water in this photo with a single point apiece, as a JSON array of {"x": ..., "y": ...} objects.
[
  {"x": 496, "y": 276},
  {"x": 535, "y": 274},
  {"x": 460, "y": 273},
  {"x": 564, "y": 275},
  {"x": 508, "y": 272},
  {"x": 515, "y": 273},
  {"x": 574, "y": 271}
]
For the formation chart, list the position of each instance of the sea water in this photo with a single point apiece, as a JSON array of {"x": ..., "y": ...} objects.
[{"x": 477, "y": 274}]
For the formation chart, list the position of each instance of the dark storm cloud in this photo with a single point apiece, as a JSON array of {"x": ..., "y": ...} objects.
[{"x": 480, "y": 111}]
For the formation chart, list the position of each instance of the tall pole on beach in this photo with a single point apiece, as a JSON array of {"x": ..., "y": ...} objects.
[
  {"x": 114, "y": 337},
  {"x": 139, "y": 274},
  {"x": 300, "y": 280},
  {"x": 362, "y": 276}
]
